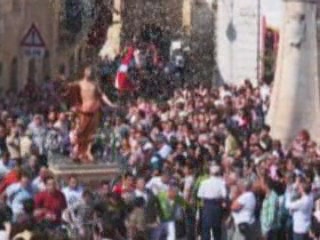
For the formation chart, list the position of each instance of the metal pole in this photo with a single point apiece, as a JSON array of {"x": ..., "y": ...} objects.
[{"x": 259, "y": 41}]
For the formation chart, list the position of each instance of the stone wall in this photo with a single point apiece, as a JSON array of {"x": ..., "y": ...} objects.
[
  {"x": 16, "y": 18},
  {"x": 179, "y": 19}
]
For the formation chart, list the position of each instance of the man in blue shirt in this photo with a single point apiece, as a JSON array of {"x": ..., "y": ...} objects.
[{"x": 18, "y": 193}]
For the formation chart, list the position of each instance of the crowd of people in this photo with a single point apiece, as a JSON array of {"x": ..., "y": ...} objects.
[{"x": 202, "y": 163}]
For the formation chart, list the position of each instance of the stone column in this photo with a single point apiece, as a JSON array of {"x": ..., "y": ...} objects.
[
  {"x": 295, "y": 101},
  {"x": 187, "y": 16},
  {"x": 114, "y": 32}
]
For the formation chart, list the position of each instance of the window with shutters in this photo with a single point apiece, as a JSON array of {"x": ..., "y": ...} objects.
[{"x": 32, "y": 70}]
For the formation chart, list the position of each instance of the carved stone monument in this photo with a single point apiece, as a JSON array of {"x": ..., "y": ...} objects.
[
  {"x": 295, "y": 100},
  {"x": 237, "y": 40}
]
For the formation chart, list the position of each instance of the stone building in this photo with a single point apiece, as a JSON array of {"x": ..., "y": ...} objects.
[
  {"x": 16, "y": 17},
  {"x": 66, "y": 46}
]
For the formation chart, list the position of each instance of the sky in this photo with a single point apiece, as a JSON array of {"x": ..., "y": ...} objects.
[{"x": 272, "y": 9}]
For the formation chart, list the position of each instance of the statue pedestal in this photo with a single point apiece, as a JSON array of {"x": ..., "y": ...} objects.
[{"x": 88, "y": 174}]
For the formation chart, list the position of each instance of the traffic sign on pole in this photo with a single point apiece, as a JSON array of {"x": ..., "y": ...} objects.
[{"x": 33, "y": 43}]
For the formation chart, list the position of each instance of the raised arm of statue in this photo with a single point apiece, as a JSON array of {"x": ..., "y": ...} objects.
[{"x": 106, "y": 100}]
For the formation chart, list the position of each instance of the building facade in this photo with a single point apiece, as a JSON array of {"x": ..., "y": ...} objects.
[
  {"x": 66, "y": 42},
  {"x": 65, "y": 39},
  {"x": 16, "y": 18}
]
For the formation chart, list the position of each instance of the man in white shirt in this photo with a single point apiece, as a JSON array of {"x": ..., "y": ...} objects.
[
  {"x": 17, "y": 193},
  {"x": 302, "y": 210},
  {"x": 39, "y": 132},
  {"x": 159, "y": 184},
  {"x": 243, "y": 209},
  {"x": 265, "y": 91},
  {"x": 73, "y": 192},
  {"x": 213, "y": 192}
]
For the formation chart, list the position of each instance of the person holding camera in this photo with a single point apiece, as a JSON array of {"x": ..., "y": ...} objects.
[{"x": 243, "y": 213}]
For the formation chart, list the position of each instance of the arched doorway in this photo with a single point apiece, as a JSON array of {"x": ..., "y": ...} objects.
[
  {"x": 32, "y": 70},
  {"x": 14, "y": 74}
]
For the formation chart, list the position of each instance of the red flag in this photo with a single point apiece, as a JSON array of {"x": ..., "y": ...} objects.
[{"x": 122, "y": 82}]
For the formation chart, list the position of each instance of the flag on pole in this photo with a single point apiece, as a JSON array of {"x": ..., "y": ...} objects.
[{"x": 123, "y": 82}]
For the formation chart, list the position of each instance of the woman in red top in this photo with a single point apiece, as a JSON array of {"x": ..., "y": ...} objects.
[
  {"x": 12, "y": 177},
  {"x": 50, "y": 204},
  {"x": 125, "y": 188}
]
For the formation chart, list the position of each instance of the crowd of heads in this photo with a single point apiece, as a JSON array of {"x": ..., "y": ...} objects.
[{"x": 165, "y": 145}]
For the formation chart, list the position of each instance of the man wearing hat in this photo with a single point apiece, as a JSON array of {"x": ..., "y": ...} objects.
[{"x": 213, "y": 193}]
